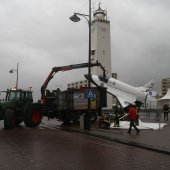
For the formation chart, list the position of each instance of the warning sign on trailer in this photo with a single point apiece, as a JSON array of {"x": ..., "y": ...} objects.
[{"x": 90, "y": 93}]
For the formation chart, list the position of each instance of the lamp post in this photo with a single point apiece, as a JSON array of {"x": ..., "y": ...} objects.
[
  {"x": 75, "y": 18},
  {"x": 12, "y": 71}
]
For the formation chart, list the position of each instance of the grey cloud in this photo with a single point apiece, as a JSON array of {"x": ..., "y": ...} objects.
[{"x": 39, "y": 35}]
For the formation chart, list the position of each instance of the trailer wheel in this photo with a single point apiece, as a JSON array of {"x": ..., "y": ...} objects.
[
  {"x": 9, "y": 119},
  {"x": 18, "y": 122},
  {"x": 93, "y": 117},
  {"x": 76, "y": 118},
  {"x": 33, "y": 115},
  {"x": 66, "y": 118}
]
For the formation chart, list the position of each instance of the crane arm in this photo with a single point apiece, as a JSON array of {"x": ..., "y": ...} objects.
[{"x": 65, "y": 68}]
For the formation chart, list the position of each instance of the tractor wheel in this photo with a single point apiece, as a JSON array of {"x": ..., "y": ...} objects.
[
  {"x": 18, "y": 122},
  {"x": 33, "y": 115},
  {"x": 9, "y": 119},
  {"x": 66, "y": 118},
  {"x": 76, "y": 118}
]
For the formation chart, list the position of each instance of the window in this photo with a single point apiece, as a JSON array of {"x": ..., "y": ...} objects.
[
  {"x": 92, "y": 52},
  {"x": 14, "y": 96}
]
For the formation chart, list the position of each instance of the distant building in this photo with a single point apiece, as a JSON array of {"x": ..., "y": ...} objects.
[
  {"x": 114, "y": 75},
  {"x": 165, "y": 85},
  {"x": 78, "y": 84}
]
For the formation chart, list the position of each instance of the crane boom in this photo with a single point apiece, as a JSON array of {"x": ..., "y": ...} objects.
[{"x": 65, "y": 68}]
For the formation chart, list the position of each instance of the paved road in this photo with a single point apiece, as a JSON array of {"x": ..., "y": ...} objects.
[{"x": 49, "y": 147}]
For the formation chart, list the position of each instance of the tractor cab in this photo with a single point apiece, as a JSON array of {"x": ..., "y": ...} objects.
[
  {"x": 19, "y": 95},
  {"x": 16, "y": 100}
]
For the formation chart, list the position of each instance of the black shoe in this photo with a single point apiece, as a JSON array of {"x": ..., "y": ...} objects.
[
  {"x": 137, "y": 132},
  {"x": 129, "y": 132}
]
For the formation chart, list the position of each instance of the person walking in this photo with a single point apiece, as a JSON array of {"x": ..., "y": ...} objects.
[
  {"x": 166, "y": 110},
  {"x": 132, "y": 115}
]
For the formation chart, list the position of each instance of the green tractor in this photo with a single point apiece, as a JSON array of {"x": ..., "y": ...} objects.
[{"x": 18, "y": 107}]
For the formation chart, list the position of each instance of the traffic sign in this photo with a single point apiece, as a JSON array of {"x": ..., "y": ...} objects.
[{"x": 90, "y": 93}]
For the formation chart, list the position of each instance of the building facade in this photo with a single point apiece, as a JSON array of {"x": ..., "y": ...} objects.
[
  {"x": 165, "y": 85},
  {"x": 78, "y": 84}
]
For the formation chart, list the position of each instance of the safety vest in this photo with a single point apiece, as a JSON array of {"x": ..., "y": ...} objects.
[{"x": 107, "y": 119}]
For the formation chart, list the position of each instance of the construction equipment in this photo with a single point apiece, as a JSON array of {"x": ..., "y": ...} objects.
[
  {"x": 70, "y": 104},
  {"x": 17, "y": 107},
  {"x": 65, "y": 68}
]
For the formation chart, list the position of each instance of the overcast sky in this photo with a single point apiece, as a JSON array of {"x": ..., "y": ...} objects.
[{"x": 39, "y": 35}]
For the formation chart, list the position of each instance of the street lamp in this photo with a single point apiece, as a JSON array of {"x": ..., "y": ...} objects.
[
  {"x": 75, "y": 18},
  {"x": 12, "y": 71}
]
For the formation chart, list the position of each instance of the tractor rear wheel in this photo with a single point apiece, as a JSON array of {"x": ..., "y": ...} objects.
[
  {"x": 33, "y": 115},
  {"x": 9, "y": 119}
]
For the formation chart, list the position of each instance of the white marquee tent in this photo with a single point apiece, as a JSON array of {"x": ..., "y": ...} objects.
[{"x": 164, "y": 99}]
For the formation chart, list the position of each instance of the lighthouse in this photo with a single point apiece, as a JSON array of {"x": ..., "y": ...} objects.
[
  {"x": 100, "y": 49},
  {"x": 101, "y": 45},
  {"x": 100, "y": 41}
]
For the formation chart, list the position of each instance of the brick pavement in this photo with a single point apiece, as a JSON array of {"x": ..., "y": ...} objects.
[{"x": 156, "y": 140}]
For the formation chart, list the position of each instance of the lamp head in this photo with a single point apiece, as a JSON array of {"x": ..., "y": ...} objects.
[
  {"x": 11, "y": 71},
  {"x": 75, "y": 18}
]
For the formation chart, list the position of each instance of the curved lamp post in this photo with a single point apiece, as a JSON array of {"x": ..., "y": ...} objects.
[
  {"x": 75, "y": 18},
  {"x": 12, "y": 71}
]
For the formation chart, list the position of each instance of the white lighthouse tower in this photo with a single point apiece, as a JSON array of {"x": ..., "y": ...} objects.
[
  {"x": 100, "y": 49},
  {"x": 101, "y": 45}
]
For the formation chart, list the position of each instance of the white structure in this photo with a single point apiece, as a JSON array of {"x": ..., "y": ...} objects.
[
  {"x": 164, "y": 99},
  {"x": 100, "y": 48},
  {"x": 100, "y": 42},
  {"x": 101, "y": 45}
]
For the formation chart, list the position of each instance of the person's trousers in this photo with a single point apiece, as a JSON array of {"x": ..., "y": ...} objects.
[
  {"x": 132, "y": 124},
  {"x": 165, "y": 115}
]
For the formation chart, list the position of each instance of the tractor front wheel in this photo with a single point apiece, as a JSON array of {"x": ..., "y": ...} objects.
[{"x": 9, "y": 119}]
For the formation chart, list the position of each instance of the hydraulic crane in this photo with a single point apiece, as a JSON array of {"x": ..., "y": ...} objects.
[{"x": 65, "y": 68}]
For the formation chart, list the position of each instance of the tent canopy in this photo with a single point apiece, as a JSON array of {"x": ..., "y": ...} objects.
[{"x": 166, "y": 97}]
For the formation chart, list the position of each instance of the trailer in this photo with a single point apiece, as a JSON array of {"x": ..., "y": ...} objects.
[{"x": 69, "y": 105}]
